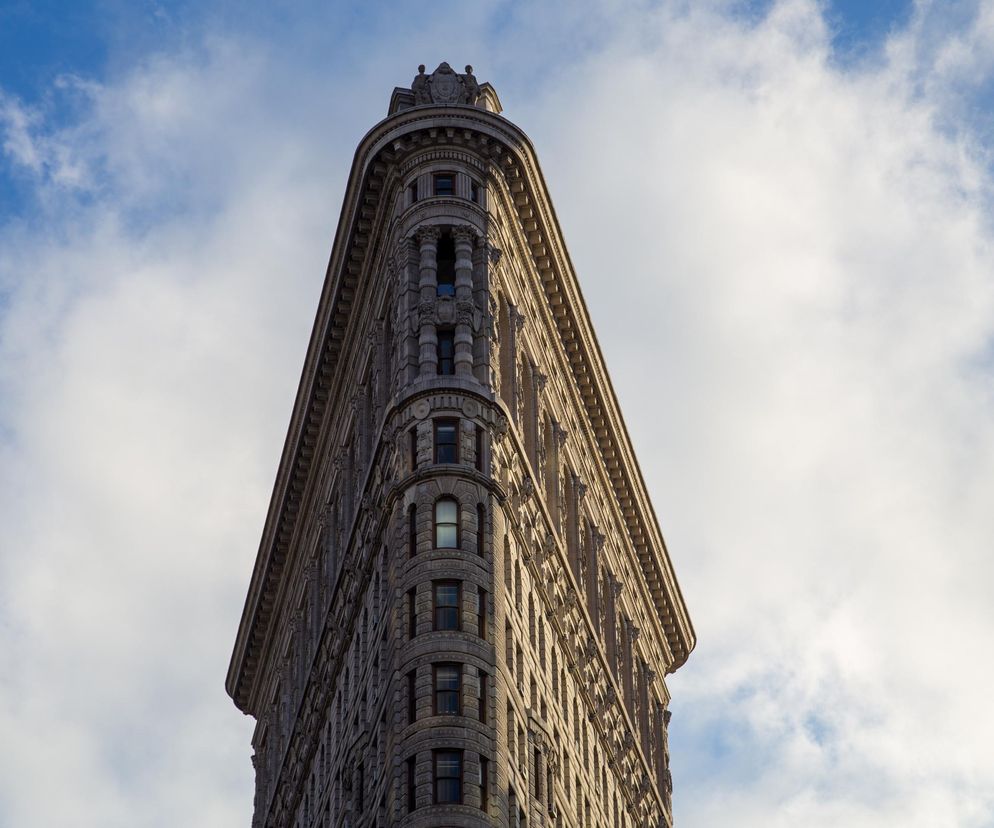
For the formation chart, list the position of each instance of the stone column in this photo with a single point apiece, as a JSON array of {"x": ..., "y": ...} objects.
[
  {"x": 427, "y": 238},
  {"x": 463, "y": 237}
]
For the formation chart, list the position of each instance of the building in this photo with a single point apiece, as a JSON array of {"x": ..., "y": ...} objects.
[{"x": 462, "y": 608}]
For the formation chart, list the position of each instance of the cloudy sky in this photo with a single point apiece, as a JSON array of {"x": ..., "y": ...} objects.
[{"x": 781, "y": 217}]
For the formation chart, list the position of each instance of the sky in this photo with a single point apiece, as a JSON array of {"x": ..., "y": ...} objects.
[{"x": 781, "y": 217}]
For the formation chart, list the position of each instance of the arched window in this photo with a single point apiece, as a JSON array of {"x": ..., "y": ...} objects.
[{"x": 446, "y": 523}]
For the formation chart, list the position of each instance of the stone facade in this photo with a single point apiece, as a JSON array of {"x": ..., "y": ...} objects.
[{"x": 462, "y": 609}]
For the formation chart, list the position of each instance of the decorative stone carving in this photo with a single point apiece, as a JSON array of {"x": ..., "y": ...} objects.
[
  {"x": 427, "y": 234},
  {"x": 420, "y": 87},
  {"x": 465, "y": 312},
  {"x": 527, "y": 488},
  {"x": 464, "y": 232},
  {"x": 421, "y": 409},
  {"x": 500, "y": 429},
  {"x": 471, "y": 86},
  {"x": 445, "y": 86}
]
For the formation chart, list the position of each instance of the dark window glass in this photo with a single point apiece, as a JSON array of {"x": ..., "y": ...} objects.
[
  {"x": 481, "y": 528},
  {"x": 447, "y": 605},
  {"x": 412, "y": 530},
  {"x": 481, "y": 613},
  {"x": 479, "y": 447},
  {"x": 412, "y": 701},
  {"x": 411, "y": 790},
  {"x": 413, "y": 190},
  {"x": 446, "y": 262},
  {"x": 448, "y": 683},
  {"x": 412, "y": 614},
  {"x": 446, "y": 524},
  {"x": 474, "y": 192},
  {"x": 448, "y": 776},
  {"x": 414, "y": 448},
  {"x": 445, "y": 184},
  {"x": 484, "y": 679},
  {"x": 446, "y": 441},
  {"x": 446, "y": 352}
]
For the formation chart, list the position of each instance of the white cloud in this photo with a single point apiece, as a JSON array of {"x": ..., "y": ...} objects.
[
  {"x": 788, "y": 264},
  {"x": 809, "y": 294}
]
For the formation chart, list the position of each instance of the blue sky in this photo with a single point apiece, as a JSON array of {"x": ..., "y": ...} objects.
[{"x": 780, "y": 216}]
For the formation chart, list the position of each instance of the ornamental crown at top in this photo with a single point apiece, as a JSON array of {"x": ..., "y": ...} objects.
[{"x": 445, "y": 87}]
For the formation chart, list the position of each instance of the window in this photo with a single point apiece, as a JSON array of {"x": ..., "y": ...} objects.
[
  {"x": 446, "y": 352},
  {"x": 481, "y": 528},
  {"x": 481, "y": 613},
  {"x": 412, "y": 530},
  {"x": 479, "y": 447},
  {"x": 412, "y": 188},
  {"x": 445, "y": 260},
  {"x": 411, "y": 788},
  {"x": 482, "y": 700},
  {"x": 448, "y": 776},
  {"x": 446, "y": 524},
  {"x": 474, "y": 192},
  {"x": 412, "y": 698},
  {"x": 484, "y": 783},
  {"x": 446, "y": 441},
  {"x": 448, "y": 689},
  {"x": 412, "y": 614},
  {"x": 445, "y": 184},
  {"x": 414, "y": 447},
  {"x": 447, "y": 605}
]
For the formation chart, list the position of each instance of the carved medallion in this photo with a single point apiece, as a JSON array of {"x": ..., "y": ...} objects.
[{"x": 445, "y": 86}]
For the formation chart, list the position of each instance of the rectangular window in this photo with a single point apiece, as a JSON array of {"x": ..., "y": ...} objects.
[
  {"x": 412, "y": 698},
  {"x": 445, "y": 184},
  {"x": 412, "y": 189},
  {"x": 411, "y": 788},
  {"x": 445, "y": 261},
  {"x": 484, "y": 783},
  {"x": 446, "y": 441},
  {"x": 481, "y": 528},
  {"x": 481, "y": 613},
  {"x": 412, "y": 614},
  {"x": 482, "y": 700},
  {"x": 448, "y": 689},
  {"x": 414, "y": 447},
  {"x": 474, "y": 192},
  {"x": 479, "y": 447},
  {"x": 448, "y": 776},
  {"x": 446, "y": 353},
  {"x": 412, "y": 530},
  {"x": 446, "y": 594}
]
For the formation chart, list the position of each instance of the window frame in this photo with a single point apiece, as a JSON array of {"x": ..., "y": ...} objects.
[
  {"x": 436, "y": 607},
  {"x": 438, "y": 424},
  {"x": 457, "y": 690},
  {"x": 437, "y": 754},
  {"x": 446, "y": 335},
  {"x": 440, "y": 176},
  {"x": 437, "y": 524}
]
